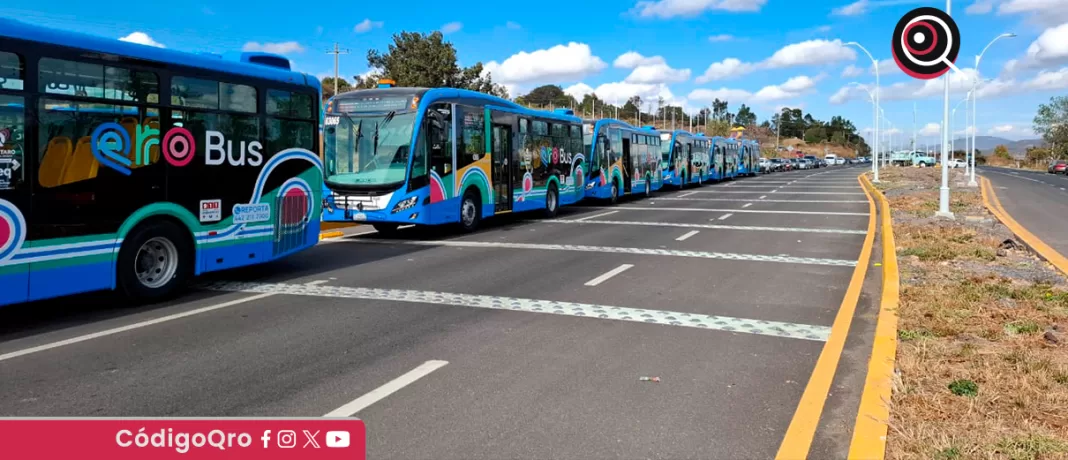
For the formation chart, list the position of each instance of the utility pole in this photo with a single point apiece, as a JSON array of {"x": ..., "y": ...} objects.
[
  {"x": 778, "y": 124},
  {"x": 337, "y": 52},
  {"x": 913, "y": 126}
]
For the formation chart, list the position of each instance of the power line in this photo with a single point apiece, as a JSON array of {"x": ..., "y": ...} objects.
[{"x": 337, "y": 52}]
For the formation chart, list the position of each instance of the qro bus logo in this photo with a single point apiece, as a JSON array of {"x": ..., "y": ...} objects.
[{"x": 111, "y": 145}]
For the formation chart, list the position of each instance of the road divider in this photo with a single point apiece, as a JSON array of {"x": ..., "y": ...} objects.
[{"x": 993, "y": 204}]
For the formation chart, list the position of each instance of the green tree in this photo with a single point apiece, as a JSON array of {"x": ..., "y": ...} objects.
[
  {"x": 745, "y": 116},
  {"x": 328, "y": 86},
  {"x": 546, "y": 95},
  {"x": 427, "y": 60},
  {"x": 1002, "y": 152},
  {"x": 1051, "y": 122}
]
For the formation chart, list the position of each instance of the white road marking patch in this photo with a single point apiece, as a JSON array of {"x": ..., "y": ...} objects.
[
  {"x": 747, "y": 228},
  {"x": 762, "y": 200},
  {"x": 380, "y": 393},
  {"x": 613, "y": 272},
  {"x": 616, "y": 250},
  {"x": 637, "y": 315},
  {"x": 598, "y": 215},
  {"x": 687, "y": 235},
  {"x": 754, "y": 192},
  {"x": 687, "y": 194},
  {"x": 758, "y": 211},
  {"x": 747, "y": 205}
]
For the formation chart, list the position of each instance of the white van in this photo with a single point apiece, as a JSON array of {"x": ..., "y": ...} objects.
[{"x": 831, "y": 159}]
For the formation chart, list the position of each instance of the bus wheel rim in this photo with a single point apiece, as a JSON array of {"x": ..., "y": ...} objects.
[
  {"x": 469, "y": 212},
  {"x": 156, "y": 262},
  {"x": 551, "y": 201}
]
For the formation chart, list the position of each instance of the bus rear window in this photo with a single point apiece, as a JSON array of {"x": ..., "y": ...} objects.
[
  {"x": 287, "y": 104},
  {"x": 11, "y": 71}
]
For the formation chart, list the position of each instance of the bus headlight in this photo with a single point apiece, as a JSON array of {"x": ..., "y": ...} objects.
[{"x": 405, "y": 204}]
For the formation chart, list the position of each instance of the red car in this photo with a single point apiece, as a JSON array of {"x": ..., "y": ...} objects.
[{"x": 1058, "y": 167}]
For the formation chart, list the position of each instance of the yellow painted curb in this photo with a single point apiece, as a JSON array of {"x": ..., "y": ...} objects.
[
  {"x": 333, "y": 234},
  {"x": 798, "y": 439},
  {"x": 336, "y": 225},
  {"x": 873, "y": 415},
  {"x": 993, "y": 204}
]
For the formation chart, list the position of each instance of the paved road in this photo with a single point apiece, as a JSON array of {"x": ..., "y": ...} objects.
[
  {"x": 1037, "y": 200},
  {"x": 526, "y": 339}
]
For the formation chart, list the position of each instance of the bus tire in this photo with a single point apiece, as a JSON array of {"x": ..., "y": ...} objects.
[
  {"x": 648, "y": 187},
  {"x": 470, "y": 211},
  {"x": 155, "y": 261},
  {"x": 552, "y": 201},
  {"x": 614, "y": 198},
  {"x": 386, "y": 228}
]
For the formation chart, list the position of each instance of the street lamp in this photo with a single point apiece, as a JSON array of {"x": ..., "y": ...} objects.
[
  {"x": 874, "y": 118},
  {"x": 943, "y": 191},
  {"x": 874, "y": 63},
  {"x": 975, "y": 83}
]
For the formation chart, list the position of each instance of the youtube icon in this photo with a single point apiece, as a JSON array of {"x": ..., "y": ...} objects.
[{"x": 337, "y": 439}]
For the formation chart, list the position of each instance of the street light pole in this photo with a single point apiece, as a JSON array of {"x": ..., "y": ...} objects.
[
  {"x": 874, "y": 63},
  {"x": 943, "y": 192},
  {"x": 952, "y": 116},
  {"x": 975, "y": 97}
]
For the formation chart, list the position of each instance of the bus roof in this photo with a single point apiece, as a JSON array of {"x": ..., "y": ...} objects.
[
  {"x": 597, "y": 124},
  {"x": 19, "y": 30},
  {"x": 429, "y": 95}
]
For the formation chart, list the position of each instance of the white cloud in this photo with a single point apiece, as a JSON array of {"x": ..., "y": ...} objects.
[
  {"x": 791, "y": 89},
  {"x": 366, "y": 25},
  {"x": 810, "y": 52},
  {"x": 632, "y": 59},
  {"x": 578, "y": 90},
  {"x": 852, "y": 71},
  {"x": 664, "y": 9},
  {"x": 657, "y": 73},
  {"x": 931, "y": 129},
  {"x": 886, "y": 67},
  {"x": 1041, "y": 12},
  {"x": 513, "y": 25},
  {"x": 980, "y": 7},
  {"x": 451, "y": 27},
  {"x": 1051, "y": 46},
  {"x": 721, "y": 38},
  {"x": 619, "y": 92},
  {"x": 723, "y": 94},
  {"x": 853, "y": 9},
  {"x": 571, "y": 62},
  {"x": 275, "y": 48},
  {"x": 1049, "y": 80},
  {"x": 141, "y": 38},
  {"x": 1002, "y": 129}
]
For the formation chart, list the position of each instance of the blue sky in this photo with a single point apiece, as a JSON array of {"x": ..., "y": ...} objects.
[{"x": 765, "y": 53}]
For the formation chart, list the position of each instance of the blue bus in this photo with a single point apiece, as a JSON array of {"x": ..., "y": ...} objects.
[
  {"x": 719, "y": 169},
  {"x": 398, "y": 156},
  {"x": 684, "y": 158},
  {"x": 623, "y": 159},
  {"x": 135, "y": 168},
  {"x": 748, "y": 157}
]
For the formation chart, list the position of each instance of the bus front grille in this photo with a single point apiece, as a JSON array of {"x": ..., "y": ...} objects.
[{"x": 291, "y": 223}]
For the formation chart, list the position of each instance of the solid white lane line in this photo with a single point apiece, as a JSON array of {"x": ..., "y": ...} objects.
[
  {"x": 756, "y": 211},
  {"x": 553, "y": 307},
  {"x": 687, "y": 235},
  {"x": 747, "y": 205},
  {"x": 709, "y": 226},
  {"x": 687, "y": 194},
  {"x": 613, "y": 272},
  {"x": 138, "y": 325},
  {"x": 803, "y": 186},
  {"x": 383, "y": 391},
  {"x": 667, "y": 198},
  {"x": 617, "y": 250},
  {"x": 754, "y": 192},
  {"x": 596, "y": 215}
]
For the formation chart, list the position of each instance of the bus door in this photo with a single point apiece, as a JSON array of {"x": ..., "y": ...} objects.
[
  {"x": 628, "y": 163},
  {"x": 502, "y": 177},
  {"x": 689, "y": 160},
  {"x": 14, "y": 193}
]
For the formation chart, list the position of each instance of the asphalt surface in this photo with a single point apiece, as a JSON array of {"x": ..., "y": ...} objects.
[
  {"x": 1037, "y": 200},
  {"x": 523, "y": 346}
]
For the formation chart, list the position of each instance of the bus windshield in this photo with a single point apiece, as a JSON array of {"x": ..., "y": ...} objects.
[
  {"x": 366, "y": 149},
  {"x": 665, "y": 148}
]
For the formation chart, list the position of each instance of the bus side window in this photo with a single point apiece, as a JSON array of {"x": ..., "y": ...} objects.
[{"x": 438, "y": 140}]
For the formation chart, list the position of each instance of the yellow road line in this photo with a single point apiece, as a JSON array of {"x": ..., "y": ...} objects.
[
  {"x": 992, "y": 203},
  {"x": 873, "y": 415},
  {"x": 333, "y": 234},
  {"x": 336, "y": 225},
  {"x": 798, "y": 439}
]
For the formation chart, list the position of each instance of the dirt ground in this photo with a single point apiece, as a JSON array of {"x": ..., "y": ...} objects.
[{"x": 982, "y": 357}]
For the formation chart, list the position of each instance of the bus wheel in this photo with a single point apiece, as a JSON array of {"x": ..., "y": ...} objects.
[
  {"x": 552, "y": 201},
  {"x": 615, "y": 192},
  {"x": 648, "y": 188},
  {"x": 386, "y": 228},
  {"x": 470, "y": 211},
  {"x": 154, "y": 262}
]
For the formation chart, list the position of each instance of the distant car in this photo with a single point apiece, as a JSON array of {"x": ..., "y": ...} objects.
[
  {"x": 815, "y": 162},
  {"x": 765, "y": 165},
  {"x": 1058, "y": 167},
  {"x": 957, "y": 163},
  {"x": 840, "y": 160}
]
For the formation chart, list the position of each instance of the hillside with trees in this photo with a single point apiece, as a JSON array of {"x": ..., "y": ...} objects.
[{"x": 427, "y": 60}]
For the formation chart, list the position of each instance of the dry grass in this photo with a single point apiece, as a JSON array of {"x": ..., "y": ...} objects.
[{"x": 977, "y": 378}]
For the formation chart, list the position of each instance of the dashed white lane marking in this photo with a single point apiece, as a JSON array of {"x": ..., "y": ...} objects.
[
  {"x": 773, "y": 191},
  {"x": 597, "y": 215},
  {"x": 687, "y": 193},
  {"x": 138, "y": 325},
  {"x": 763, "y": 196},
  {"x": 613, "y": 272},
  {"x": 841, "y": 231},
  {"x": 687, "y": 235},
  {"x": 803, "y": 186},
  {"x": 747, "y": 205},
  {"x": 761, "y": 199},
  {"x": 616, "y": 250},
  {"x": 637, "y": 315},
  {"x": 384, "y": 391},
  {"x": 756, "y": 211}
]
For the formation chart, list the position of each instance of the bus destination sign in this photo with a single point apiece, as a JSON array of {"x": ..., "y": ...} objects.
[{"x": 372, "y": 104}]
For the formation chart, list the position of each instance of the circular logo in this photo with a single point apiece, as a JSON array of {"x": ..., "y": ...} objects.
[
  {"x": 296, "y": 201},
  {"x": 925, "y": 42},
  {"x": 178, "y": 146},
  {"x": 556, "y": 155},
  {"x": 12, "y": 229},
  {"x": 528, "y": 182}
]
